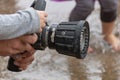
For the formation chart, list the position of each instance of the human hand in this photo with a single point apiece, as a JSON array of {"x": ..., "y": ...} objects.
[
  {"x": 24, "y": 59},
  {"x": 43, "y": 16},
  {"x": 17, "y": 45}
]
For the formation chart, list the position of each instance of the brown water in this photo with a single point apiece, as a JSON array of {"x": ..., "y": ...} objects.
[
  {"x": 7, "y": 6},
  {"x": 104, "y": 61},
  {"x": 103, "y": 64}
]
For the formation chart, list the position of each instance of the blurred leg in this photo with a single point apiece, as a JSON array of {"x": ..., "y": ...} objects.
[
  {"x": 108, "y": 16},
  {"x": 81, "y": 11}
]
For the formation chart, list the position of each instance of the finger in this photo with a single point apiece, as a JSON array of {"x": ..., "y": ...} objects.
[
  {"x": 17, "y": 57},
  {"x": 24, "y": 62},
  {"x": 16, "y": 47},
  {"x": 29, "y": 48},
  {"x": 31, "y": 39},
  {"x": 43, "y": 24},
  {"x": 26, "y": 47},
  {"x": 40, "y": 30},
  {"x": 21, "y": 56},
  {"x": 12, "y": 52},
  {"x": 43, "y": 13},
  {"x": 23, "y": 68},
  {"x": 26, "y": 55}
]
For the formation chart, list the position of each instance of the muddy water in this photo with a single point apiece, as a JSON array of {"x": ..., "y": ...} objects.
[
  {"x": 6, "y": 6},
  {"x": 103, "y": 64}
]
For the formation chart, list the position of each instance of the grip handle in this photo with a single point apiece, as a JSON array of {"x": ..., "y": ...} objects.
[
  {"x": 38, "y": 5},
  {"x": 11, "y": 66}
]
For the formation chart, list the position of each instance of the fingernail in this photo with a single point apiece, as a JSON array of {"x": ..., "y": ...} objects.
[
  {"x": 17, "y": 64},
  {"x": 21, "y": 69}
]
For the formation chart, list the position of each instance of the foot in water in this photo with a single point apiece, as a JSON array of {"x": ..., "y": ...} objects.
[
  {"x": 113, "y": 41},
  {"x": 90, "y": 50}
]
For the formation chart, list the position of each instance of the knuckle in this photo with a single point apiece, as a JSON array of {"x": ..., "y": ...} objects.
[
  {"x": 10, "y": 51},
  {"x": 29, "y": 47},
  {"x": 33, "y": 40}
]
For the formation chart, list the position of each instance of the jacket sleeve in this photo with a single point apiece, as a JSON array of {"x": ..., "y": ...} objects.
[{"x": 22, "y": 22}]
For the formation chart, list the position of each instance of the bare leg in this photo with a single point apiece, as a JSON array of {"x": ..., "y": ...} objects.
[{"x": 109, "y": 36}]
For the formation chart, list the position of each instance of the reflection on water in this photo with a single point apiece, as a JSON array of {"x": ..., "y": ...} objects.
[{"x": 103, "y": 64}]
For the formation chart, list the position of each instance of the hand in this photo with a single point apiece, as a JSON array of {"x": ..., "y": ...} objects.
[
  {"x": 42, "y": 15},
  {"x": 23, "y": 60},
  {"x": 17, "y": 45}
]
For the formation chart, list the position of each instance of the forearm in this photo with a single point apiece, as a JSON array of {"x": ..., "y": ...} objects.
[{"x": 20, "y": 23}]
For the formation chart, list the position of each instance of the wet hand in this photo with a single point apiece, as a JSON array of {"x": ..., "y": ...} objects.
[
  {"x": 23, "y": 60},
  {"x": 17, "y": 45},
  {"x": 42, "y": 15}
]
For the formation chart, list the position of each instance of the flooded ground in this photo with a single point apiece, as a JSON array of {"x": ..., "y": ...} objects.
[{"x": 103, "y": 64}]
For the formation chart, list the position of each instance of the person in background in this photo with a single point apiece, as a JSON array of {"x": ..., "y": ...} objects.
[{"x": 108, "y": 14}]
